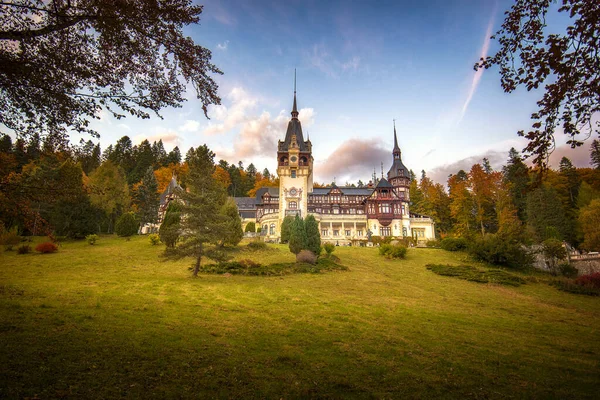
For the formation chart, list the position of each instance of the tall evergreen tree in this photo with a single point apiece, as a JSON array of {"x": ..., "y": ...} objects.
[
  {"x": 174, "y": 156},
  {"x": 286, "y": 228},
  {"x": 232, "y": 233},
  {"x": 313, "y": 236},
  {"x": 545, "y": 214},
  {"x": 595, "y": 154},
  {"x": 516, "y": 174},
  {"x": 147, "y": 198},
  {"x": 169, "y": 229},
  {"x": 203, "y": 223},
  {"x": 297, "y": 236}
]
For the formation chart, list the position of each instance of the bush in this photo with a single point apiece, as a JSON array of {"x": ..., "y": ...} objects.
[
  {"x": 472, "y": 274},
  {"x": 24, "y": 249},
  {"x": 10, "y": 238},
  {"x": 571, "y": 286},
  {"x": 154, "y": 239},
  {"x": 91, "y": 239},
  {"x": 329, "y": 248},
  {"x": 46, "y": 247},
  {"x": 495, "y": 249},
  {"x": 433, "y": 243},
  {"x": 250, "y": 227},
  {"x": 391, "y": 251},
  {"x": 306, "y": 256},
  {"x": 256, "y": 245},
  {"x": 454, "y": 244},
  {"x": 568, "y": 270},
  {"x": 126, "y": 225},
  {"x": 592, "y": 280}
]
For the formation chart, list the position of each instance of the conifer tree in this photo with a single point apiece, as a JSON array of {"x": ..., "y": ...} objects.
[
  {"x": 147, "y": 198},
  {"x": 286, "y": 228},
  {"x": 297, "y": 236},
  {"x": 595, "y": 154},
  {"x": 169, "y": 229},
  {"x": 232, "y": 233},
  {"x": 203, "y": 225},
  {"x": 313, "y": 236}
]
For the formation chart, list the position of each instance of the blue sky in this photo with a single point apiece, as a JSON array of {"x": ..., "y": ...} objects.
[{"x": 360, "y": 65}]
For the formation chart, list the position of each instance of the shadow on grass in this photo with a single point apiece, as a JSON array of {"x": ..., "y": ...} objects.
[{"x": 473, "y": 274}]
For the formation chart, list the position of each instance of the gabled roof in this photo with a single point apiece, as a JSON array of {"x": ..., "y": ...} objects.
[
  {"x": 171, "y": 187},
  {"x": 245, "y": 203},
  {"x": 273, "y": 192},
  {"x": 383, "y": 183}
]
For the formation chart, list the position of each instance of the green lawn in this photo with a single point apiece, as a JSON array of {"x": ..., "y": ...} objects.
[{"x": 113, "y": 320}]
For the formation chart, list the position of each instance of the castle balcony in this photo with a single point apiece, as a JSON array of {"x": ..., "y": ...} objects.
[{"x": 293, "y": 213}]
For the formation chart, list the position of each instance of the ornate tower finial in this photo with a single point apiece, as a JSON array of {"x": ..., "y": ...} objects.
[
  {"x": 382, "y": 170},
  {"x": 295, "y": 108},
  {"x": 396, "y": 150}
]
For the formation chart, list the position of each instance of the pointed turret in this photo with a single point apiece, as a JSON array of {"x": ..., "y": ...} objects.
[
  {"x": 398, "y": 169},
  {"x": 295, "y": 107},
  {"x": 396, "y": 150},
  {"x": 294, "y": 128}
]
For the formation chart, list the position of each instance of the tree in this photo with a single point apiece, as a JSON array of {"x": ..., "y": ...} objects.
[
  {"x": 127, "y": 225},
  {"x": 232, "y": 233},
  {"x": 313, "y": 236},
  {"x": 147, "y": 200},
  {"x": 516, "y": 175},
  {"x": 250, "y": 227},
  {"x": 595, "y": 153},
  {"x": 553, "y": 251},
  {"x": 286, "y": 228},
  {"x": 545, "y": 214},
  {"x": 297, "y": 236},
  {"x": 169, "y": 230},
  {"x": 566, "y": 65},
  {"x": 109, "y": 191},
  {"x": 121, "y": 57},
  {"x": 203, "y": 225},
  {"x": 589, "y": 220}
]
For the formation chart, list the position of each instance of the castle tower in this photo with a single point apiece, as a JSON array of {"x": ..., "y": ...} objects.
[
  {"x": 399, "y": 175},
  {"x": 294, "y": 168}
]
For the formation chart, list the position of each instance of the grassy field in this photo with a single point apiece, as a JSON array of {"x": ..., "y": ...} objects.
[{"x": 113, "y": 320}]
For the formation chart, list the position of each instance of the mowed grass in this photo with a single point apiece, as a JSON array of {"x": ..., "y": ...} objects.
[{"x": 114, "y": 320}]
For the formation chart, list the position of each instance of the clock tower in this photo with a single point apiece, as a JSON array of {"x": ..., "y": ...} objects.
[{"x": 294, "y": 168}]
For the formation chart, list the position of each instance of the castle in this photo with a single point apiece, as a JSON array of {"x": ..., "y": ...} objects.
[{"x": 346, "y": 215}]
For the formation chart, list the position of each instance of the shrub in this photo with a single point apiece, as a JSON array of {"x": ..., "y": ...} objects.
[
  {"x": 454, "y": 244},
  {"x": 91, "y": 239},
  {"x": 568, "y": 270},
  {"x": 306, "y": 256},
  {"x": 391, "y": 251},
  {"x": 472, "y": 274},
  {"x": 433, "y": 243},
  {"x": 250, "y": 227},
  {"x": 571, "y": 286},
  {"x": 329, "y": 248},
  {"x": 154, "y": 239},
  {"x": 126, "y": 225},
  {"x": 10, "y": 238},
  {"x": 495, "y": 249},
  {"x": 591, "y": 280},
  {"x": 24, "y": 249},
  {"x": 46, "y": 247},
  {"x": 256, "y": 245}
]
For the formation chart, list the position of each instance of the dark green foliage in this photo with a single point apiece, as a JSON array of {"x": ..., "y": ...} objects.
[
  {"x": 495, "y": 249},
  {"x": 454, "y": 244},
  {"x": 204, "y": 224},
  {"x": 232, "y": 232},
  {"x": 473, "y": 274},
  {"x": 256, "y": 245},
  {"x": 313, "y": 236},
  {"x": 571, "y": 286},
  {"x": 297, "y": 236},
  {"x": 127, "y": 225},
  {"x": 250, "y": 227},
  {"x": 433, "y": 243},
  {"x": 24, "y": 249},
  {"x": 147, "y": 198},
  {"x": 169, "y": 229},
  {"x": 329, "y": 248},
  {"x": 544, "y": 209},
  {"x": 391, "y": 251},
  {"x": 568, "y": 270},
  {"x": 249, "y": 267},
  {"x": 554, "y": 252},
  {"x": 286, "y": 229},
  {"x": 516, "y": 174},
  {"x": 595, "y": 153}
]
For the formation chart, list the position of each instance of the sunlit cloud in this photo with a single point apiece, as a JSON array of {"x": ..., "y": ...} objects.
[
  {"x": 223, "y": 46},
  {"x": 190, "y": 125}
]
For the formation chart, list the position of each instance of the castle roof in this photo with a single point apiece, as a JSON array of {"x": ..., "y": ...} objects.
[
  {"x": 398, "y": 169},
  {"x": 383, "y": 183},
  {"x": 294, "y": 128}
]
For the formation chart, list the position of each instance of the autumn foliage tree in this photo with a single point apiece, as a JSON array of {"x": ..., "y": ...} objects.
[{"x": 124, "y": 57}]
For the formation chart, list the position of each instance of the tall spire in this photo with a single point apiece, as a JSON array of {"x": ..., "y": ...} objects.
[
  {"x": 396, "y": 150},
  {"x": 295, "y": 108}
]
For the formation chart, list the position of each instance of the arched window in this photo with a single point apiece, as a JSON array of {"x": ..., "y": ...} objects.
[{"x": 272, "y": 231}]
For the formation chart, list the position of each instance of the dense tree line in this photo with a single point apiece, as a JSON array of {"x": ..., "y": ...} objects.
[
  {"x": 50, "y": 187},
  {"x": 517, "y": 203}
]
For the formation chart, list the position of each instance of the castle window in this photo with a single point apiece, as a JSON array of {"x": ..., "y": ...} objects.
[
  {"x": 347, "y": 232},
  {"x": 336, "y": 232},
  {"x": 293, "y": 173},
  {"x": 293, "y": 205},
  {"x": 384, "y": 208},
  {"x": 323, "y": 232},
  {"x": 336, "y": 210},
  {"x": 403, "y": 209},
  {"x": 385, "y": 231},
  {"x": 404, "y": 231},
  {"x": 359, "y": 233},
  {"x": 272, "y": 231},
  {"x": 371, "y": 209},
  {"x": 397, "y": 209}
]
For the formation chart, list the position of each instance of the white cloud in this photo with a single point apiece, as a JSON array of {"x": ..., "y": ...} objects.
[
  {"x": 241, "y": 103},
  {"x": 168, "y": 136},
  {"x": 223, "y": 46},
  {"x": 190, "y": 126},
  {"x": 351, "y": 64}
]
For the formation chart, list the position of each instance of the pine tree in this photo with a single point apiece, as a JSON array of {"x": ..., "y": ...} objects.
[
  {"x": 516, "y": 174},
  {"x": 286, "y": 228},
  {"x": 147, "y": 198},
  {"x": 313, "y": 236},
  {"x": 297, "y": 236},
  {"x": 595, "y": 154},
  {"x": 169, "y": 229},
  {"x": 203, "y": 224},
  {"x": 127, "y": 225},
  {"x": 232, "y": 234},
  {"x": 174, "y": 156}
]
